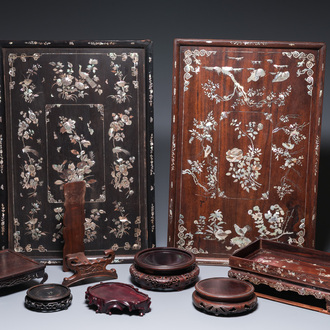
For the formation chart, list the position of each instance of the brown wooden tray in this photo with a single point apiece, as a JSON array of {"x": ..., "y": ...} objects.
[
  {"x": 245, "y": 144},
  {"x": 283, "y": 267},
  {"x": 77, "y": 110}
]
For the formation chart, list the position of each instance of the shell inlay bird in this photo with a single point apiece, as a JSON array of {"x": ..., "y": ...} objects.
[
  {"x": 256, "y": 74},
  {"x": 85, "y": 76}
]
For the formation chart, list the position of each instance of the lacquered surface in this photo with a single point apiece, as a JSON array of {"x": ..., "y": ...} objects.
[
  {"x": 12, "y": 264},
  {"x": 224, "y": 289},
  {"x": 164, "y": 282},
  {"x": 85, "y": 112},
  {"x": 117, "y": 291},
  {"x": 48, "y": 292},
  {"x": 164, "y": 260}
]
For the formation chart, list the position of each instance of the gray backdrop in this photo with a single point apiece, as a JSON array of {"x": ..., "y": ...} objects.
[{"x": 162, "y": 21}]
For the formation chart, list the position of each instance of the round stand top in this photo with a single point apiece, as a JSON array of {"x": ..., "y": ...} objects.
[
  {"x": 164, "y": 261},
  {"x": 48, "y": 292},
  {"x": 224, "y": 289}
]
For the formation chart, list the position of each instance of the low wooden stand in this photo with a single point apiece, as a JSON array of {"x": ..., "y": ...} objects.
[
  {"x": 125, "y": 298},
  {"x": 48, "y": 298},
  {"x": 84, "y": 268},
  {"x": 221, "y": 296},
  {"x": 281, "y": 287}
]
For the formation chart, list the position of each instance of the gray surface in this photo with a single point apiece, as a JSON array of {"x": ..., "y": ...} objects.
[
  {"x": 169, "y": 310},
  {"x": 162, "y": 21}
]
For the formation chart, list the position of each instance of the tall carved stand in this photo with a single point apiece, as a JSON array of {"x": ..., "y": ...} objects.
[
  {"x": 74, "y": 218},
  {"x": 74, "y": 258}
]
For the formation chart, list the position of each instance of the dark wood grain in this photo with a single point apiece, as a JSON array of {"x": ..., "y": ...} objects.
[
  {"x": 74, "y": 219},
  {"x": 224, "y": 296},
  {"x": 125, "y": 298}
]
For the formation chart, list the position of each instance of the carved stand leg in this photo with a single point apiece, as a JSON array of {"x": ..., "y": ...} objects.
[{"x": 74, "y": 218}]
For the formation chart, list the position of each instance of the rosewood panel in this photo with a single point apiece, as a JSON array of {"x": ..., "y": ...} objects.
[
  {"x": 245, "y": 144},
  {"x": 77, "y": 111}
]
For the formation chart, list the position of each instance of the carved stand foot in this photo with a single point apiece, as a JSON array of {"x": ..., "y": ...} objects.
[{"x": 84, "y": 268}]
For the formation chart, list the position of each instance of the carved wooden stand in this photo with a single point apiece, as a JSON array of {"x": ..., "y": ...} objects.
[
  {"x": 84, "y": 268},
  {"x": 224, "y": 296},
  {"x": 74, "y": 258},
  {"x": 285, "y": 286},
  {"x": 125, "y": 298}
]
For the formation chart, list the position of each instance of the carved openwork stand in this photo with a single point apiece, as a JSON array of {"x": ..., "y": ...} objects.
[
  {"x": 48, "y": 298},
  {"x": 84, "y": 268},
  {"x": 164, "y": 268},
  {"x": 290, "y": 274},
  {"x": 224, "y": 296},
  {"x": 74, "y": 258}
]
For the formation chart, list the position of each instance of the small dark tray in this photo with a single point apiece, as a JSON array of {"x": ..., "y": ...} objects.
[
  {"x": 164, "y": 261},
  {"x": 15, "y": 268},
  {"x": 117, "y": 296},
  {"x": 224, "y": 296},
  {"x": 48, "y": 297}
]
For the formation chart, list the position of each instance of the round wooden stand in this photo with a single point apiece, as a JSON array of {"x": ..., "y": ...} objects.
[
  {"x": 164, "y": 269},
  {"x": 48, "y": 298},
  {"x": 224, "y": 296}
]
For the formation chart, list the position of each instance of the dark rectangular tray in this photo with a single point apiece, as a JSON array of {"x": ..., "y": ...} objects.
[{"x": 15, "y": 268}]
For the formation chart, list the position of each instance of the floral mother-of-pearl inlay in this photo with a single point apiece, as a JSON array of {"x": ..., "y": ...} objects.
[
  {"x": 56, "y": 142},
  {"x": 71, "y": 87},
  {"x": 244, "y": 168},
  {"x": 288, "y": 152},
  {"x": 238, "y": 94},
  {"x": 191, "y": 58}
]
